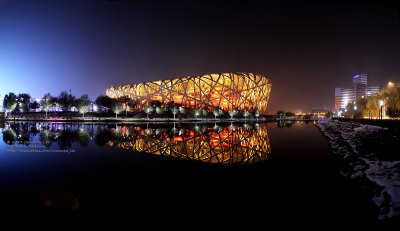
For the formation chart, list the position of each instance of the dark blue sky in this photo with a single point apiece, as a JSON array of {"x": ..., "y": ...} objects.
[{"x": 307, "y": 47}]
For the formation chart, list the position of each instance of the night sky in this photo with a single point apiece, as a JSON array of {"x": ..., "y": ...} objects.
[{"x": 307, "y": 48}]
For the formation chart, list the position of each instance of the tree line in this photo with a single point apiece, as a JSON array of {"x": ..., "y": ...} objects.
[
  {"x": 387, "y": 99},
  {"x": 65, "y": 101},
  {"x": 23, "y": 102}
]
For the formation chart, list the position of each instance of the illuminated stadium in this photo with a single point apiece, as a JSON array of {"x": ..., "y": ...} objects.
[{"x": 227, "y": 91}]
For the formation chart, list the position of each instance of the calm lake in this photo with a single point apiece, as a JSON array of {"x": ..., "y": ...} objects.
[{"x": 227, "y": 173}]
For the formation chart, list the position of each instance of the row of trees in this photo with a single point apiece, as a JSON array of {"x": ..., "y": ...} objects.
[
  {"x": 387, "y": 98},
  {"x": 20, "y": 102},
  {"x": 217, "y": 112},
  {"x": 24, "y": 103},
  {"x": 65, "y": 101}
]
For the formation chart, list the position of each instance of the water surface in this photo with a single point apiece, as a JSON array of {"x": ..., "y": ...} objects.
[{"x": 236, "y": 172}]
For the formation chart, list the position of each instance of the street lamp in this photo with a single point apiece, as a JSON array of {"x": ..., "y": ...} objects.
[
  {"x": 17, "y": 104},
  {"x": 355, "y": 109},
  {"x": 92, "y": 110},
  {"x": 55, "y": 109},
  {"x": 381, "y": 112}
]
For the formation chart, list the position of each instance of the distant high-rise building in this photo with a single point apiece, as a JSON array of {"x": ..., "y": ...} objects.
[
  {"x": 360, "y": 86},
  {"x": 343, "y": 97},
  {"x": 372, "y": 90}
]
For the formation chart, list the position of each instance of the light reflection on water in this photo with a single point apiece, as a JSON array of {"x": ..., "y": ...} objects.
[
  {"x": 111, "y": 172},
  {"x": 211, "y": 143}
]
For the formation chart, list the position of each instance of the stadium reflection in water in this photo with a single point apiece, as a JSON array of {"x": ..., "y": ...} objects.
[
  {"x": 211, "y": 143},
  {"x": 244, "y": 144}
]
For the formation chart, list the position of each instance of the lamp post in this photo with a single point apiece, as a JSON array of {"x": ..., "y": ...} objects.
[
  {"x": 355, "y": 109},
  {"x": 17, "y": 104},
  {"x": 22, "y": 100},
  {"x": 381, "y": 112},
  {"x": 54, "y": 109},
  {"x": 92, "y": 110}
]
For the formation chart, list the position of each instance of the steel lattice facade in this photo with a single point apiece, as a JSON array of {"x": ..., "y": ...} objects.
[{"x": 228, "y": 91}]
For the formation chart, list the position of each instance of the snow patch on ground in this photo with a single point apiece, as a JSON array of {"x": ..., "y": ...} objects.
[{"x": 347, "y": 140}]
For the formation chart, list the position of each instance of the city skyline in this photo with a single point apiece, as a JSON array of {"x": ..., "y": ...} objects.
[
  {"x": 360, "y": 89},
  {"x": 307, "y": 48}
]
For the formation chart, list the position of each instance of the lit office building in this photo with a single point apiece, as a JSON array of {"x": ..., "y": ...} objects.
[
  {"x": 343, "y": 97},
  {"x": 360, "y": 86},
  {"x": 372, "y": 90}
]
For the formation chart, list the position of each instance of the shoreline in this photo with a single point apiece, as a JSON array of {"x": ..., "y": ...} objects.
[
  {"x": 168, "y": 120},
  {"x": 367, "y": 169}
]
